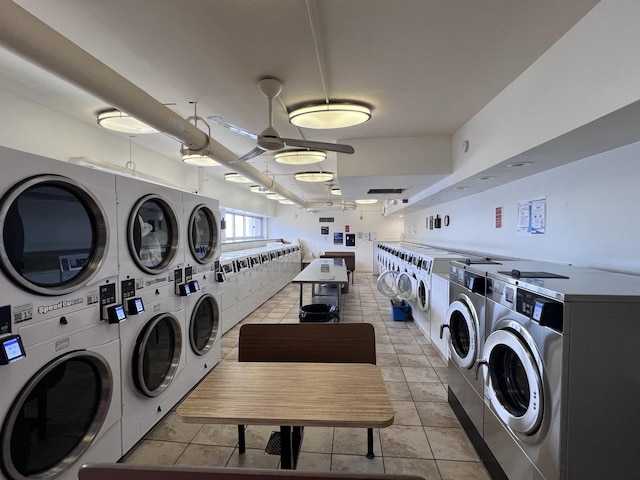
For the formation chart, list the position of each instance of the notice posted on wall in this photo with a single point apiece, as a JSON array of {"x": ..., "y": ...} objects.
[
  {"x": 532, "y": 216},
  {"x": 337, "y": 238}
]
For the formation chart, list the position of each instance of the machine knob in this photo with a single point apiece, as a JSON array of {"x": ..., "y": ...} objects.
[{"x": 63, "y": 321}]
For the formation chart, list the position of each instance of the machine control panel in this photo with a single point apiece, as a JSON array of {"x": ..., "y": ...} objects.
[
  {"x": 545, "y": 311},
  {"x": 11, "y": 348}
]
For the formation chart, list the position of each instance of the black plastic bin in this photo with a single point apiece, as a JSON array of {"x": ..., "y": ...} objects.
[{"x": 318, "y": 312}]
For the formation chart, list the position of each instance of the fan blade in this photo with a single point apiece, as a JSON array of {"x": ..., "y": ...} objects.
[
  {"x": 233, "y": 127},
  {"x": 249, "y": 155},
  {"x": 332, "y": 147}
]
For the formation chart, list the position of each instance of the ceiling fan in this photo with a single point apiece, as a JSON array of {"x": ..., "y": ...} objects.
[{"x": 269, "y": 139}]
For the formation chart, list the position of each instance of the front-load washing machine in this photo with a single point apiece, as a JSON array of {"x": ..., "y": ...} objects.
[
  {"x": 203, "y": 305},
  {"x": 465, "y": 322},
  {"x": 153, "y": 358},
  {"x": 59, "y": 263},
  {"x": 560, "y": 363}
]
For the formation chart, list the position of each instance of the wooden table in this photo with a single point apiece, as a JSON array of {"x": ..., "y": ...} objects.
[
  {"x": 323, "y": 271},
  {"x": 291, "y": 395}
]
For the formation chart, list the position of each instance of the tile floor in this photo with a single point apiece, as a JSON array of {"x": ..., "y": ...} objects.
[{"x": 426, "y": 438}]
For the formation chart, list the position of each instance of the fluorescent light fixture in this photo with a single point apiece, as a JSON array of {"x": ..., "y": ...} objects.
[
  {"x": 336, "y": 191},
  {"x": 275, "y": 196},
  {"x": 300, "y": 157},
  {"x": 236, "y": 177},
  {"x": 313, "y": 176},
  {"x": 367, "y": 201},
  {"x": 199, "y": 160},
  {"x": 118, "y": 121},
  {"x": 286, "y": 201},
  {"x": 330, "y": 115}
]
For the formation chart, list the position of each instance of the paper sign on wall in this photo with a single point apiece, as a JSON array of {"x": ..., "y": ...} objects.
[{"x": 532, "y": 216}]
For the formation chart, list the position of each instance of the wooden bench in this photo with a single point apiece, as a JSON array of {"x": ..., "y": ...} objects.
[
  {"x": 120, "y": 471},
  {"x": 307, "y": 342}
]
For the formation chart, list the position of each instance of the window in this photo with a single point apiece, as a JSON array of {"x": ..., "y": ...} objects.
[{"x": 243, "y": 227}]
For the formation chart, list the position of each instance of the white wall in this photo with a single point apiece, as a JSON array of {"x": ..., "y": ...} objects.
[
  {"x": 294, "y": 223},
  {"x": 593, "y": 215}
]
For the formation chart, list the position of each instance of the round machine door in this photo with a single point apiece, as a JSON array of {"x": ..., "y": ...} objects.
[
  {"x": 54, "y": 235},
  {"x": 387, "y": 284},
  {"x": 513, "y": 379},
  {"x": 203, "y": 234},
  {"x": 153, "y": 234},
  {"x": 56, "y": 416},
  {"x": 464, "y": 332},
  {"x": 423, "y": 295},
  {"x": 204, "y": 324},
  {"x": 407, "y": 286},
  {"x": 157, "y": 354}
]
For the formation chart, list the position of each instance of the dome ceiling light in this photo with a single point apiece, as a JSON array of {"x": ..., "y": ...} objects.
[
  {"x": 300, "y": 157},
  {"x": 313, "y": 176},
  {"x": 236, "y": 178},
  {"x": 326, "y": 115},
  {"x": 336, "y": 191},
  {"x": 114, "y": 119}
]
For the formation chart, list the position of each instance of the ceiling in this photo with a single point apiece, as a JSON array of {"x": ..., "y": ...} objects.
[{"x": 425, "y": 66}]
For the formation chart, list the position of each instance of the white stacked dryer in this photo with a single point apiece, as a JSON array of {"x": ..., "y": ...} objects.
[
  {"x": 151, "y": 259},
  {"x": 60, "y": 396},
  {"x": 204, "y": 303}
]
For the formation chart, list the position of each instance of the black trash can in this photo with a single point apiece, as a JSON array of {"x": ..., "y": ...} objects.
[{"x": 318, "y": 312}]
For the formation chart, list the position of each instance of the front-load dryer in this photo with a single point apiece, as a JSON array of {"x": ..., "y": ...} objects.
[
  {"x": 61, "y": 403},
  {"x": 153, "y": 358},
  {"x": 150, "y": 230},
  {"x": 203, "y": 305}
]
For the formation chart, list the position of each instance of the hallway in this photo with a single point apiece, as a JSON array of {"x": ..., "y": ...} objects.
[{"x": 426, "y": 438}]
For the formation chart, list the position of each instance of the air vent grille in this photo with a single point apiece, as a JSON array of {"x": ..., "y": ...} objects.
[
  {"x": 326, "y": 219},
  {"x": 385, "y": 191}
]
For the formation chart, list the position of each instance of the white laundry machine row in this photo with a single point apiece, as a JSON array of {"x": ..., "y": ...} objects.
[
  {"x": 59, "y": 269},
  {"x": 559, "y": 363},
  {"x": 203, "y": 304}
]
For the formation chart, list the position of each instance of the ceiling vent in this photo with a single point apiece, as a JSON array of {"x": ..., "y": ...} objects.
[{"x": 385, "y": 191}]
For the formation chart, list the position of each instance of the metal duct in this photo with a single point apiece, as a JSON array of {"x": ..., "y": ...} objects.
[{"x": 35, "y": 41}]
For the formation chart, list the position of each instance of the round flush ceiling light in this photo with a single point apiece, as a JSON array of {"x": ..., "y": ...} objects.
[
  {"x": 324, "y": 115},
  {"x": 300, "y": 157},
  {"x": 367, "y": 201},
  {"x": 313, "y": 176},
  {"x": 118, "y": 121},
  {"x": 236, "y": 177},
  {"x": 199, "y": 160},
  {"x": 275, "y": 196}
]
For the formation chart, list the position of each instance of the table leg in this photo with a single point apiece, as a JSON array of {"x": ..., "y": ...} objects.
[
  {"x": 290, "y": 443},
  {"x": 286, "y": 448},
  {"x": 241, "y": 442},
  {"x": 370, "y": 443},
  {"x": 301, "y": 293}
]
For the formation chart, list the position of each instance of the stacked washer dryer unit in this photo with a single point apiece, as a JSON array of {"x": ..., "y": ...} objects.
[
  {"x": 560, "y": 364},
  {"x": 204, "y": 304},
  {"x": 153, "y": 339},
  {"x": 59, "y": 361}
]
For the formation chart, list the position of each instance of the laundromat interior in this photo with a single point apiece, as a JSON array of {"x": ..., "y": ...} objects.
[{"x": 485, "y": 191}]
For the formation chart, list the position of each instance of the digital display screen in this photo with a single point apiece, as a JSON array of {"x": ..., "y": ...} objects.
[
  {"x": 12, "y": 349},
  {"x": 139, "y": 305},
  {"x": 120, "y": 313},
  {"x": 537, "y": 310}
]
